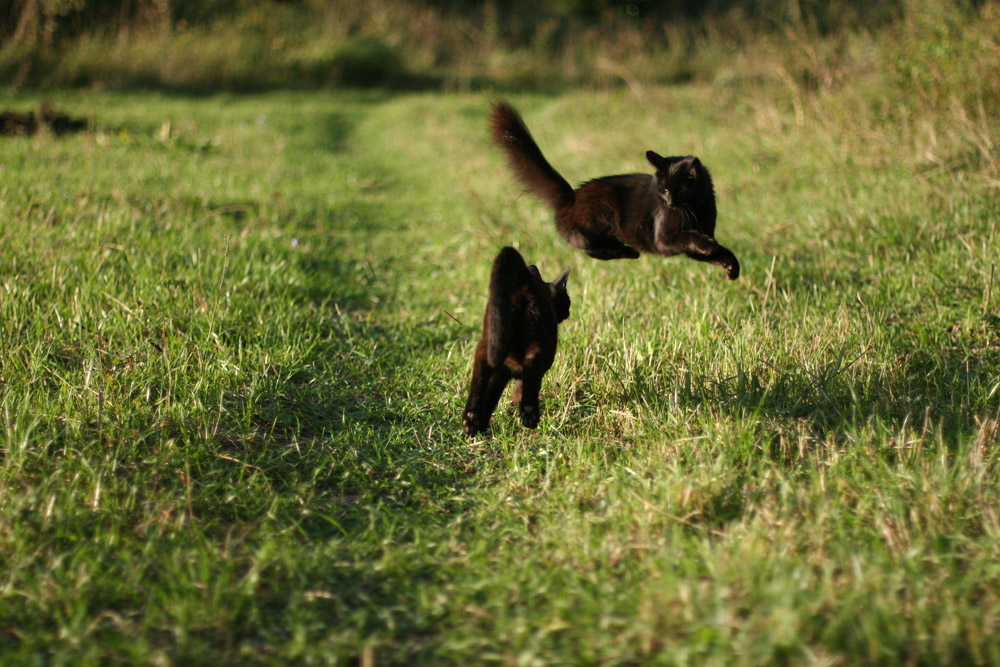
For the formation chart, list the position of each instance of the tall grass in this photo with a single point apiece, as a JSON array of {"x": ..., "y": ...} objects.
[{"x": 255, "y": 45}]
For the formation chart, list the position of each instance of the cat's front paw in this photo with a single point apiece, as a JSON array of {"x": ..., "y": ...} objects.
[
  {"x": 529, "y": 415},
  {"x": 733, "y": 269},
  {"x": 471, "y": 423}
]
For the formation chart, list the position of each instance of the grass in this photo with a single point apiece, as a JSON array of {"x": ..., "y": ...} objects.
[
  {"x": 237, "y": 336},
  {"x": 194, "y": 46}
]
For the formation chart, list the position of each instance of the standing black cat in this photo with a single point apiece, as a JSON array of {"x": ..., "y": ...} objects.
[
  {"x": 520, "y": 334},
  {"x": 616, "y": 217}
]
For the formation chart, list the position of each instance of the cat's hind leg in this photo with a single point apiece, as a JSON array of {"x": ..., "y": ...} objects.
[
  {"x": 487, "y": 386},
  {"x": 481, "y": 405},
  {"x": 494, "y": 390},
  {"x": 528, "y": 407},
  {"x": 472, "y": 417},
  {"x": 590, "y": 223},
  {"x": 608, "y": 247},
  {"x": 600, "y": 244},
  {"x": 515, "y": 396}
]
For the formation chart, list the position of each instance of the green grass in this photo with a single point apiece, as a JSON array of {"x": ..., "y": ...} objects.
[{"x": 237, "y": 334}]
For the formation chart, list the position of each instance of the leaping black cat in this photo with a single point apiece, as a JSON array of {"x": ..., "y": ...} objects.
[
  {"x": 616, "y": 217},
  {"x": 520, "y": 335}
]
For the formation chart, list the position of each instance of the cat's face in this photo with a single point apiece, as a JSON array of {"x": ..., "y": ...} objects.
[
  {"x": 685, "y": 184},
  {"x": 557, "y": 291},
  {"x": 560, "y": 297}
]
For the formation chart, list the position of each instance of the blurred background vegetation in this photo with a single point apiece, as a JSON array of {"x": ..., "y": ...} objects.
[
  {"x": 923, "y": 46},
  {"x": 926, "y": 67}
]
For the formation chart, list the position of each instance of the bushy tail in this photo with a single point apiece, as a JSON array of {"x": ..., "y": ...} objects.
[
  {"x": 509, "y": 274},
  {"x": 525, "y": 158}
]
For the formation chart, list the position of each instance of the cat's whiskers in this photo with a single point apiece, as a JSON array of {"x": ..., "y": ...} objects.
[
  {"x": 689, "y": 214},
  {"x": 686, "y": 211}
]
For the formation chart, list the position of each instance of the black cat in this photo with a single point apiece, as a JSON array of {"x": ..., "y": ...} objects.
[
  {"x": 616, "y": 217},
  {"x": 520, "y": 335}
]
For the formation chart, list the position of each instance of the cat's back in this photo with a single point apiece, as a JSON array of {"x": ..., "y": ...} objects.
[
  {"x": 622, "y": 192},
  {"x": 520, "y": 315},
  {"x": 622, "y": 182},
  {"x": 624, "y": 203},
  {"x": 509, "y": 273},
  {"x": 519, "y": 295}
]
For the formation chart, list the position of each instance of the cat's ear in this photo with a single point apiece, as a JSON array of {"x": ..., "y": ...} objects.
[
  {"x": 560, "y": 282},
  {"x": 533, "y": 270},
  {"x": 655, "y": 159},
  {"x": 694, "y": 166}
]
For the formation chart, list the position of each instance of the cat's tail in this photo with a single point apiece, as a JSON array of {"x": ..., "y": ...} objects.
[
  {"x": 526, "y": 159},
  {"x": 509, "y": 273}
]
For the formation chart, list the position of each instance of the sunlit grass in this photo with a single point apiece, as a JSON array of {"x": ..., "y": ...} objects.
[{"x": 237, "y": 333}]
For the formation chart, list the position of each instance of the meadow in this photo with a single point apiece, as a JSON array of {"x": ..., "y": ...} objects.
[{"x": 237, "y": 332}]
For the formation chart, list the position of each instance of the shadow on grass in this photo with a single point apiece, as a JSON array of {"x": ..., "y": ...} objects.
[
  {"x": 946, "y": 391},
  {"x": 356, "y": 467},
  {"x": 350, "y": 415},
  {"x": 402, "y": 84},
  {"x": 328, "y": 130}
]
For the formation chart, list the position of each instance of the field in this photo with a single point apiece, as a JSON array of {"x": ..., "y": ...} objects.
[{"x": 237, "y": 332}]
